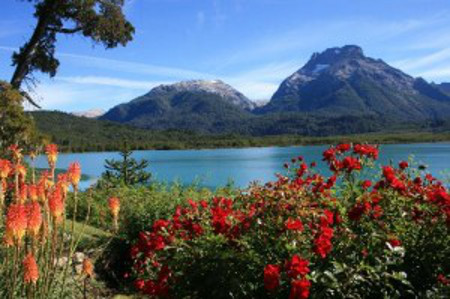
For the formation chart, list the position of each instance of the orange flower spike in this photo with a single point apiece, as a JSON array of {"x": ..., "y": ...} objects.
[
  {"x": 21, "y": 171},
  {"x": 30, "y": 269},
  {"x": 42, "y": 196},
  {"x": 56, "y": 205},
  {"x": 63, "y": 183},
  {"x": 5, "y": 168},
  {"x": 45, "y": 180},
  {"x": 23, "y": 193},
  {"x": 16, "y": 221},
  {"x": 52, "y": 154},
  {"x": 33, "y": 192},
  {"x": 16, "y": 152},
  {"x": 74, "y": 173},
  {"x": 34, "y": 218},
  {"x": 114, "y": 206},
  {"x": 88, "y": 268}
]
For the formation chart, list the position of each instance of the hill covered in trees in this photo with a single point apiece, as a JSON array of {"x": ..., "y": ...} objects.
[{"x": 79, "y": 134}]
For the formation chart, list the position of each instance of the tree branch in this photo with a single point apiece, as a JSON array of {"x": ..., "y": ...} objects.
[
  {"x": 29, "y": 99},
  {"x": 65, "y": 30}
]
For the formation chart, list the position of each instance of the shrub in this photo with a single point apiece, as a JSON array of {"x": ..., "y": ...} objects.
[
  {"x": 38, "y": 240},
  {"x": 346, "y": 235}
]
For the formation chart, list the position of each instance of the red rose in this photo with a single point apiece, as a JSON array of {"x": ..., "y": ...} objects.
[
  {"x": 395, "y": 242},
  {"x": 297, "y": 266},
  {"x": 403, "y": 165},
  {"x": 366, "y": 184},
  {"x": 300, "y": 289},
  {"x": 271, "y": 277},
  {"x": 294, "y": 224}
]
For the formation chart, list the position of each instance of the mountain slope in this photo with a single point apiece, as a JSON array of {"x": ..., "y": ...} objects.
[
  {"x": 343, "y": 81},
  {"x": 204, "y": 106}
]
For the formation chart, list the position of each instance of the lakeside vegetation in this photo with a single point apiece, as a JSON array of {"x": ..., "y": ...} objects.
[{"x": 80, "y": 134}]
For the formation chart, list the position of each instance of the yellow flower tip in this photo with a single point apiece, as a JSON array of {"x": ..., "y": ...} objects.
[
  {"x": 74, "y": 173},
  {"x": 5, "y": 168},
  {"x": 52, "y": 154},
  {"x": 16, "y": 152}
]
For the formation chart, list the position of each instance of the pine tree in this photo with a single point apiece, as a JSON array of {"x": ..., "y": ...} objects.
[{"x": 127, "y": 171}]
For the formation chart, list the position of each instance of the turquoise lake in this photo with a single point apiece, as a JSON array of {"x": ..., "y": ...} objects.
[{"x": 216, "y": 167}]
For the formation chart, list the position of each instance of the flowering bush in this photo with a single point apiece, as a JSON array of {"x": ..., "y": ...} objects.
[
  {"x": 350, "y": 234},
  {"x": 38, "y": 242}
]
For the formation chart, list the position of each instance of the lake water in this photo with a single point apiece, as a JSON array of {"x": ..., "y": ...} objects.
[{"x": 217, "y": 167}]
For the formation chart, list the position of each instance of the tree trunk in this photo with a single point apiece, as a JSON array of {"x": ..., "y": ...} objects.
[{"x": 23, "y": 64}]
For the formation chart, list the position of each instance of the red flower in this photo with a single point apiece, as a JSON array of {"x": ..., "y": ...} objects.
[
  {"x": 34, "y": 218},
  {"x": 5, "y": 169},
  {"x": 366, "y": 150},
  {"x": 300, "y": 289},
  {"x": 114, "y": 206},
  {"x": 351, "y": 163},
  {"x": 30, "y": 269},
  {"x": 56, "y": 205},
  {"x": 366, "y": 184},
  {"x": 74, "y": 172},
  {"x": 294, "y": 224},
  {"x": 403, "y": 165},
  {"x": 344, "y": 147},
  {"x": 16, "y": 221},
  {"x": 395, "y": 242},
  {"x": 271, "y": 277},
  {"x": 297, "y": 266},
  {"x": 443, "y": 280},
  {"x": 52, "y": 154}
]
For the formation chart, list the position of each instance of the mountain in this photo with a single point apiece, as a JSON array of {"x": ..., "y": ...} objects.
[
  {"x": 92, "y": 113},
  {"x": 338, "y": 91},
  {"x": 204, "y": 106},
  {"x": 343, "y": 81},
  {"x": 444, "y": 87}
]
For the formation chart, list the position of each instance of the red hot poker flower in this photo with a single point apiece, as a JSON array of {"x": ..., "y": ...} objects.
[
  {"x": 114, "y": 206},
  {"x": 16, "y": 221},
  {"x": 56, "y": 205},
  {"x": 88, "y": 268},
  {"x": 271, "y": 277},
  {"x": 74, "y": 172},
  {"x": 34, "y": 218},
  {"x": 52, "y": 154},
  {"x": 5, "y": 168},
  {"x": 30, "y": 269}
]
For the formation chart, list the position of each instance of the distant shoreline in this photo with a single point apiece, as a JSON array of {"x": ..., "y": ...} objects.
[{"x": 230, "y": 142}]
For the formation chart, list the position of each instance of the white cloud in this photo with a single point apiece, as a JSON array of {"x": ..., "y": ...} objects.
[
  {"x": 76, "y": 97},
  {"x": 439, "y": 74},
  {"x": 110, "y": 81},
  {"x": 424, "y": 61},
  {"x": 134, "y": 67}
]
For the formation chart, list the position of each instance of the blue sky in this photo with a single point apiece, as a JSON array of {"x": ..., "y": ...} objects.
[{"x": 251, "y": 44}]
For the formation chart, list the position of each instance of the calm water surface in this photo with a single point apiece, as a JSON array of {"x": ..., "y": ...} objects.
[{"x": 217, "y": 167}]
